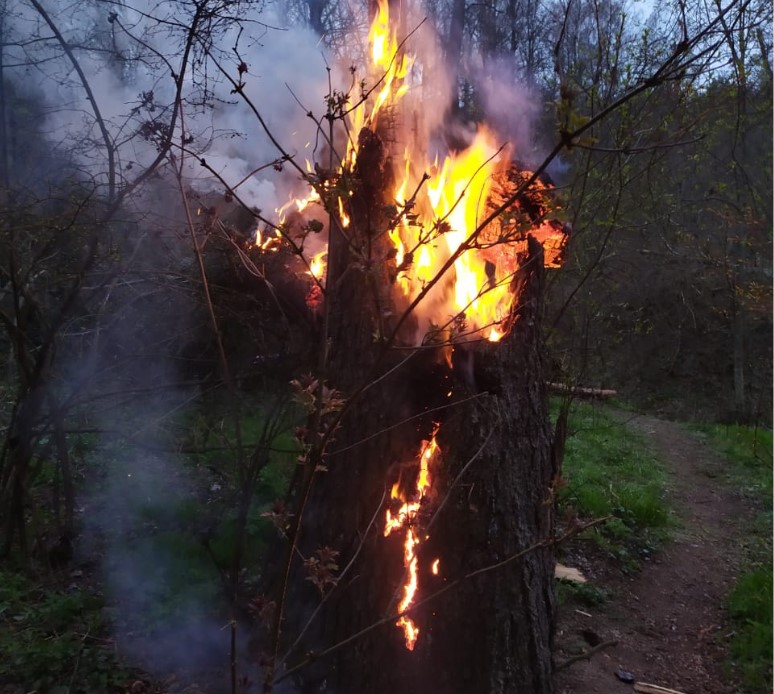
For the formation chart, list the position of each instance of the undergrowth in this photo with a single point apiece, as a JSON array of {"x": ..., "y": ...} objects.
[
  {"x": 163, "y": 526},
  {"x": 54, "y": 641}
]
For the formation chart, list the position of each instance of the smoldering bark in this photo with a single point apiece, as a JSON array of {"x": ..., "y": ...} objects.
[{"x": 489, "y": 634}]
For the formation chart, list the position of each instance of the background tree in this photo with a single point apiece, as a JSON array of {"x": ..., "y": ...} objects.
[{"x": 641, "y": 263}]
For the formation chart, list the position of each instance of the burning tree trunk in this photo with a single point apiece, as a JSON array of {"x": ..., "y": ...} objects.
[{"x": 403, "y": 531}]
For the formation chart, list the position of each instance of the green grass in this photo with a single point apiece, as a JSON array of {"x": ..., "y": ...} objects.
[
  {"x": 585, "y": 594},
  {"x": 750, "y": 606},
  {"x": 609, "y": 470},
  {"x": 54, "y": 641},
  {"x": 748, "y": 452}
]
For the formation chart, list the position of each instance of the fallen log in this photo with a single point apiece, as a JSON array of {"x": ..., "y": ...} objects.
[{"x": 580, "y": 392}]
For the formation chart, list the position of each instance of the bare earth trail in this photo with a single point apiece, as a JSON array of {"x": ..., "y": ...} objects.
[{"x": 668, "y": 618}]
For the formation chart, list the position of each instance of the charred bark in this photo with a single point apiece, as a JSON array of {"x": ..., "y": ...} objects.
[{"x": 487, "y": 634}]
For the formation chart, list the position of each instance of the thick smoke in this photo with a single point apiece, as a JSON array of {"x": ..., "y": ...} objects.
[{"x": 511, "y": 108}]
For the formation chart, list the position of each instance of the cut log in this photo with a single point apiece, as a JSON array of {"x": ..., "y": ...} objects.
[{"x": 567, "y": 573}]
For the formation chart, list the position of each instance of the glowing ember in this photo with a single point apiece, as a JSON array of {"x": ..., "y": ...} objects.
[
  {"x": 435, "y": 567},
  {"x": 406, "y": 519}
]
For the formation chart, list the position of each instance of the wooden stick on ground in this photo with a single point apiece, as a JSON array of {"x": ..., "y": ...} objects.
[{"x": 644, "y": 688}]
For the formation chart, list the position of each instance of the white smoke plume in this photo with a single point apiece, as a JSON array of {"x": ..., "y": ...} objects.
[
  {"x": 130, "y": 52},
  {"x": 129, "y": 55}
]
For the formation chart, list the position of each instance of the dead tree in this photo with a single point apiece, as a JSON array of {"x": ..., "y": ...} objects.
[{"x": 490, "y": 497}]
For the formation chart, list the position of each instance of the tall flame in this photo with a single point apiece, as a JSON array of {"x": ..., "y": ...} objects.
[
  {"x": 450, "y": 206},
  {"x": 436, "y": 228},
  {"x": 459, "y": 196},
  {"x": 391, "y": 65}
]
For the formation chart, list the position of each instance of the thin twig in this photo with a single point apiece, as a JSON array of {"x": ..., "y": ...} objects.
[
  {"x": 341, "y": 575},
  {"x": 586, "y": 655},
  {"x": 419, "y": 415}
]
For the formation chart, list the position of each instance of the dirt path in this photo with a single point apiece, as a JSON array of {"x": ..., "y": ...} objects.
[{"x": 668, "y": 618}]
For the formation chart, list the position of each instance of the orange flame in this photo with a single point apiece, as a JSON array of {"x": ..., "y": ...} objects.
[
  {"x": 451, "y": 205},
  {"x": 438, "y": 216},
  {"x": 494, "y": 334},
  {"x": 447, "y": 210},
  {"x": 392, "y": 66},
  {"x": 300, "y": 204},
  {"x": 317, "y": 264},
  {"x": 270, "y": 243},
  {"x": 343, "y": 216},
  {"x": 406, "y": 518}
]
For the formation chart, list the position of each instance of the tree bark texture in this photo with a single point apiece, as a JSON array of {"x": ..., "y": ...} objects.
[{"x": 491, "y": 633}]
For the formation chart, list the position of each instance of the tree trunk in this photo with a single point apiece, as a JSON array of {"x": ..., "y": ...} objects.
[
  {"x": 4, "y": 168},
  {"x": 316, "y": 9},
  {"x": 490, "y": 633},
  {"x": 453, "y": 49}
]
